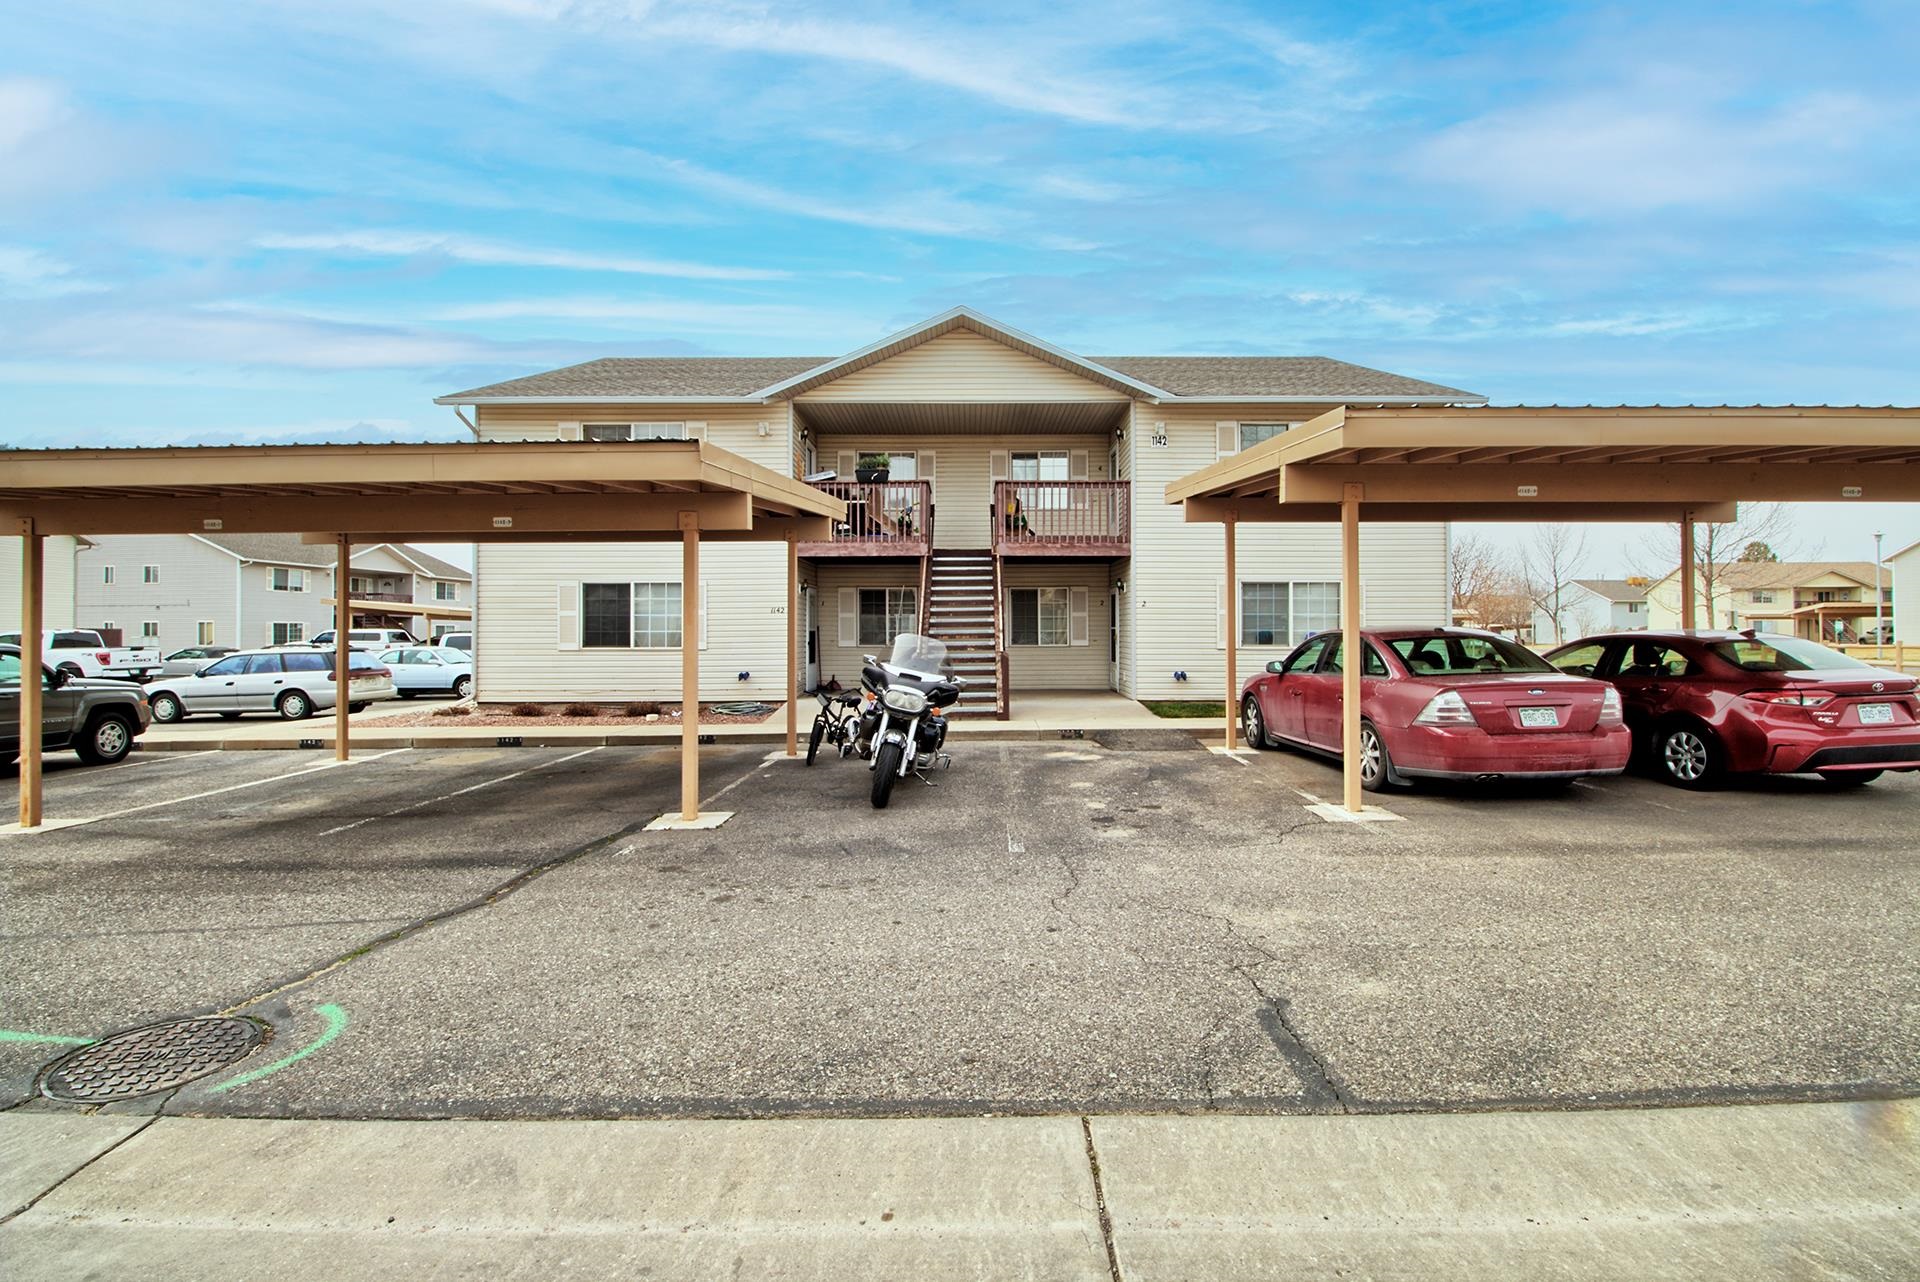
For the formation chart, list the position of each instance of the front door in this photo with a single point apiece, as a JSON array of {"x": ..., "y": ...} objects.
[{"x": 810, "y": 632}]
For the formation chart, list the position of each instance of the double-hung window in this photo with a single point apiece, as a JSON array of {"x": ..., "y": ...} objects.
[
  {"x": 106, "y": 574},
  {"x": 149, "y": 574},
  {"x": 1285, "y": 613},
  {"x": 287, "y": 633},
  {"x": 445, "y": 591},
  {"x": 285, "y": 580},
  {"x": 1039, "y": 466},
  {"x": 887, "y": 612},
  {"x": 1251, "y": 434},
  {"x": 1037, "y": 616},
  {"x": 204, "y": 632},
  {"x": 634, "y": 431},
  {"x": 150, "y": 630},
  {"x": 630, "y": 616}
]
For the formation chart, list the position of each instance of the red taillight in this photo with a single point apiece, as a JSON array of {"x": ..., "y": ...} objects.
[
  {"x": 1795, "y": 698},
  {"x": 105, "y": 656}
]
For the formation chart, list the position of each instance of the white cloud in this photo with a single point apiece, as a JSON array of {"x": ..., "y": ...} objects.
[
  {"x": 932, "y": 214},
  {"x": 30, "y": 273},
  {"x": 29, "y": 108},
  {"x": 777, "y": 320},
  {"x": 468, "y": 249}
]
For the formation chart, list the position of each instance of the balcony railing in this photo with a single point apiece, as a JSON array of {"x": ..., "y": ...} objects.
[
  {"x": 402, "y": 597},
  {"x": 884, "y": 518},
  {"x": 1062, "y": 518}
]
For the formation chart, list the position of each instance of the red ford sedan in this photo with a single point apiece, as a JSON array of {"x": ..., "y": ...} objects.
[
  {"x": 1703, "y": 705},
  {"x": 1440, "y": 703}
]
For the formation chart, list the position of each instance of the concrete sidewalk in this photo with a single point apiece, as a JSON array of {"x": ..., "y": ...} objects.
[{"x": 1758, "y": 1192}]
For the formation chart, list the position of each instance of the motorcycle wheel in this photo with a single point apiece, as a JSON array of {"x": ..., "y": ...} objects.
[
  {"x": 886, "y": 768},
  {"x": 813, "y": 739}
]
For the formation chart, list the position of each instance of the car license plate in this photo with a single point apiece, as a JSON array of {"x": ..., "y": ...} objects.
[
  {"x": 1876, "y": 714},
  {"x": 1531, "y": 717}
]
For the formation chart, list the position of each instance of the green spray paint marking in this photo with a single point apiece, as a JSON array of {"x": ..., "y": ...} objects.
[
  {"x": 15, "y": 1035},
  {"x": 336, "y": 1023}
]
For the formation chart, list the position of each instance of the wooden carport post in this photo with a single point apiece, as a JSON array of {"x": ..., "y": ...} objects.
[
  {"x": 1233, "y": 634},
  {"x": 1688, "y": 604},
  {"x": 32, "y": 705},
  {"x": 690, "y": 665},
  {"x": 342, "y": 623},
  {"x": 1350, "y": 589}
]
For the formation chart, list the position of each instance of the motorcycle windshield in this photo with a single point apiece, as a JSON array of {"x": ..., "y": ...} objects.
[{"x": 918, "y": 653}]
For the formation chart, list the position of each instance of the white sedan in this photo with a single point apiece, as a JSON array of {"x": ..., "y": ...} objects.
[{"x": 423, "y": 669}]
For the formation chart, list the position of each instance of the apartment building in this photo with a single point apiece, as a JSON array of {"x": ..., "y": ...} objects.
[{"x": 1820, "y": 600}]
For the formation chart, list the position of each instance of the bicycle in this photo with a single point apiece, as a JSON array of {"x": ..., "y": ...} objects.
[{"x": 834, "y": 723}]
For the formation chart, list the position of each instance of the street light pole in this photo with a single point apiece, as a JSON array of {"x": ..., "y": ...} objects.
[{"x": 1879, "y": 601}]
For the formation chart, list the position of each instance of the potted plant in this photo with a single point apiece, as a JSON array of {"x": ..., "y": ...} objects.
[{"x": 872, "y": 468}]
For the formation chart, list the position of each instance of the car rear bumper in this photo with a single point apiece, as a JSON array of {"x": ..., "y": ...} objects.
[
  {"x": 1896, "y": 748},
  {"x": 1435, "y": 752}
]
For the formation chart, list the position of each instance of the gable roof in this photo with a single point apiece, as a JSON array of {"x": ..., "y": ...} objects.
[
  {"x": 274, "y": 549},
  {"x": 428, "y": 564},
  {"x": 1614, "y": 589},
  {"x": 764, "y": 378}
]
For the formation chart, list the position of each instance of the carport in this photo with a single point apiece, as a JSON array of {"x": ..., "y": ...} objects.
[
  {"x": 527, "y": 491},
  {"x": 1539, "y": 463}
]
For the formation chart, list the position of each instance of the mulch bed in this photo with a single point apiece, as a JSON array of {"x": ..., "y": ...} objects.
[{"x": 612, "y": 717}]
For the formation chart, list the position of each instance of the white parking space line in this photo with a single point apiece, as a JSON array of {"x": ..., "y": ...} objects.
[
  {"x": 55, "y": 825},
  {"x": 460, "y": 792},
  {"x": 771, "y": 757}
]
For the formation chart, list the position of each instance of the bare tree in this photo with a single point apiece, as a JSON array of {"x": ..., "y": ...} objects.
[
  {"x": 1758, "y": 532},
  {"x": 1549, "y": 560},
  {"x": 1486, "y": 586}
]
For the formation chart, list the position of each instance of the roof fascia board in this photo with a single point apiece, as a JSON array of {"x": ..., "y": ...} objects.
[
  {"x": 753, "y": 399},
  {"x": 217, "y": 548}
]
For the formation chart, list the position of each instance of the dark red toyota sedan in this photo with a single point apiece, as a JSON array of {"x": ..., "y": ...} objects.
[
  {"x": 1703, "y": 705},
  {"x": 1443, "y": 703}
]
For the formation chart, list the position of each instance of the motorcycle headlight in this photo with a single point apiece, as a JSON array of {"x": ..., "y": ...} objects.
[{"x": 908, "y": 703}]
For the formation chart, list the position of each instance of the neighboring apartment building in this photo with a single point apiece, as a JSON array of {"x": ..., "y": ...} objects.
[
  {"x": 1820, "y": 600},
  {"x": 177, "y": 590},
  {"x": 1591, "y": 605},
  {"x": 57, "y": 556},
  {"x": 1009, "y": 461},
  {"x": 397, "y": 585}
]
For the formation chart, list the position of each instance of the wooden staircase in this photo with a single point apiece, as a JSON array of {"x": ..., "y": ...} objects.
[{"x": 963, "y": 610}]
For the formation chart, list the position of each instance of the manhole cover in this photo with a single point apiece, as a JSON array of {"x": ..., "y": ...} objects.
[{"x": 145, "y": 1061}]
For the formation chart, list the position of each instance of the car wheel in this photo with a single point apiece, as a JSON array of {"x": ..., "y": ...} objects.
[
  {"x": 294, "y": 706},
  {"x": 1252, "y": 725},
  {"x": 106, "y": 741},
  {"x": 463, "y": 688},
  {"x": 167, "y": 708},
  {"x": 230, "y": 716},
  {"x": 1376, "y": 767},
  {"x": 1849, "y": 778},
  {"x": 358, "y": 707},
  {"x": 1689, "y": 757}
]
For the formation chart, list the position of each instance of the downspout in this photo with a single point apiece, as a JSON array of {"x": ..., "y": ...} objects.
[
  {"x": 239, "y": 596},
  {"x": 471, "y": 426}
]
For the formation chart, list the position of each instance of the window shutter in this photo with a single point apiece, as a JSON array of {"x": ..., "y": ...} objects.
[
  {"x": 849, "y": 459},
  {"x": 703, "y": 614},
  {"x": 999, "y": 465},
  {"x": 1077, "y": 465},
  {"x": 1220, "y": 614},
  {"x": 926, "y": 474},
  {"x": 569, "y": 431},
  {"x": 1076, "y": 616},
  {"x": 1226, "y": 439},
  {"x": 566, "y": 616},
  {"x": 849, "y": 616},
  {"x": 269, "y": 634},
  {"x": 697, "y": 432}
]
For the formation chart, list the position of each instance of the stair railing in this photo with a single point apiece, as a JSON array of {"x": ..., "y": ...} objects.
[{"x": 1002, "y": 696}]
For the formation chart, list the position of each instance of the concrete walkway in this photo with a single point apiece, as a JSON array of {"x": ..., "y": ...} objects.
[{"x": 1757, "y": 1192}]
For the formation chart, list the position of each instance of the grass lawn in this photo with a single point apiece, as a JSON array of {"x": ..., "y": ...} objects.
[{"x": 1184, "y": 708}]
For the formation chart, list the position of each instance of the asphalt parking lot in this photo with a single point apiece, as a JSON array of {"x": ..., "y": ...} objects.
[{"x": 1128, "y": 923}]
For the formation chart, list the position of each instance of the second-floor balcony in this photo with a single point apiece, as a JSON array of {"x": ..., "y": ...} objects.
[
  {"x": 884, "y": 518},
  {"x": 1062, "y": 518},
  {"x": 360, "y": 595}
]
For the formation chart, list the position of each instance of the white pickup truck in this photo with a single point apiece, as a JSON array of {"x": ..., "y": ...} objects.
[{"x": 79, "y": 652}]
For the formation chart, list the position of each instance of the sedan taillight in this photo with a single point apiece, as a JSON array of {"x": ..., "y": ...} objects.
[
  {"x": 1445, "y": 709},
  {"x": 1795, "y": 698},
  {"x": 1610, "y": 714}
]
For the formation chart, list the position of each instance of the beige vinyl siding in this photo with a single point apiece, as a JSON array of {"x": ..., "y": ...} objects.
[
  {"x": 962, "y": 366},
  {"x": 841, "y": 657},
  {"x": 962, "y": 470},
  {"x": 57, "y": 556},
  {"x": 1178, "y": 569},
  {"x": 520, "y": 629},
  {"x": 1060, "y": 667},
  {"x": 731, "y": 427}
]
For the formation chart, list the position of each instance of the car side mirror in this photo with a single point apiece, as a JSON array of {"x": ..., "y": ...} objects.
[
  {"x": 60, "y": 677},
  {"x": 1276, "y": 666}
]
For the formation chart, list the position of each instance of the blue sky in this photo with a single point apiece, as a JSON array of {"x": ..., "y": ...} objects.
[{"x": 277, "y": 221}]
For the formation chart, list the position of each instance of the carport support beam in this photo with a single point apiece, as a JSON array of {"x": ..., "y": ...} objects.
[
  {"x": 1687, "y": 585},
  {"x": 32, "y": 595},
  {"x": 342, "y": 623},
  {"x": 793, "y": 643},
  {"x": 1350, "y": 670},
  {"x": 1233, "y": 634},
  {"x": 689, "y": 665}
]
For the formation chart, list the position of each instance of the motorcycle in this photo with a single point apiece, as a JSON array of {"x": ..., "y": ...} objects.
[{"x": 903, "y": 712}]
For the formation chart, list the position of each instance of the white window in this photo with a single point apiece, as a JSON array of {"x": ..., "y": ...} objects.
[
  {"x": 634, "y": 431},
  {"x": 1039, "y": 465},
  {"x": 887, "y": 612},
  {"x": 286, "y": 633},
  {"x": 1761, "y": 596},
  {"x": 106, "y": 625},
  {"x": 1636, "y": 607},
  {"x": 149, "y": 574},
  {"x": 1251, "y": 434},
  {"x": 106, "y": 574},
  {"x": 284, "y": 580},
  {"x": 1285, "y": 614},
  {"x": 630, "y": 616},
  {"x": 1037, "y": 616},
  {"x": 150, "y": 629},
  {"x": 205, "y": 632},
  {"x": 444, "y": 591}
]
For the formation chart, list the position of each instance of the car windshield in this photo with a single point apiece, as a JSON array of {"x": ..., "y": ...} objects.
[
  {"x": 918, "y": 653},
  {"x": 1450, "y": 655},
  {"x": 1782, "y": 654}
]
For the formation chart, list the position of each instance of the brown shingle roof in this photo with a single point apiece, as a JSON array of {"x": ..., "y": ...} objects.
[
  {"x": 275, "y": 549},
  {"x": 1295, "y": 377},
  {"x": 1615, "y": 589},
  {"x": 433, "y": 565}
]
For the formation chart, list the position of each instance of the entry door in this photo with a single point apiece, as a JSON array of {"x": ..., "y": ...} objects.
[
  {"x": 1113, "y": 638},
  {"x": 810, "y": 630}
]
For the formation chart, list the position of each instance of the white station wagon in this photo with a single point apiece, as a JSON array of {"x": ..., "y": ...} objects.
[{"x": 293, "y": 683}]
